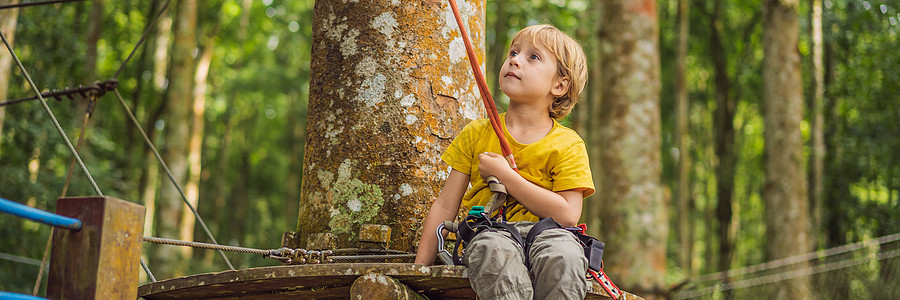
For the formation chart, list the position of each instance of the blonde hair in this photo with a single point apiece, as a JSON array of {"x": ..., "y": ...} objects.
[{"x": 572, "y": 63}]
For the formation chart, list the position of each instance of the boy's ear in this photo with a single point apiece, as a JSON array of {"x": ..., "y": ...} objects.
[{"x": 561, "y": 87}]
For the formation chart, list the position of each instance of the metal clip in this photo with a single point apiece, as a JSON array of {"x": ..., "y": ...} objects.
[{"x": 442, "y": 252}]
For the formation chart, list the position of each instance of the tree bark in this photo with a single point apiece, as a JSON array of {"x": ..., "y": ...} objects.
[
  {"x": 685, "y": 235},
  {"x": 389, "y": 90},
  {"x": 8, "y": 19},
  {"x": 724, "y": 122},
  {"x": 179, "y": 101},
  {"x": 817, "y": 135},
  {"x": 787, "y": 214},
  {"x": 634, "y": 214}
]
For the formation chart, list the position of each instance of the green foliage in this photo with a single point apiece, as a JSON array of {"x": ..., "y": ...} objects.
[{"x": 256, "y": 110}]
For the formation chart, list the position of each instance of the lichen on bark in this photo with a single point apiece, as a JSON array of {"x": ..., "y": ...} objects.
[{"x": 352, "y": 202}]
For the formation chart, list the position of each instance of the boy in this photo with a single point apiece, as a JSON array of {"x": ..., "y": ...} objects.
[{"x": 543, "y": 77}]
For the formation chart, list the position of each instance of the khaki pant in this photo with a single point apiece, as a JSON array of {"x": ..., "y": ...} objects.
[{"x": 497, "y": 269}]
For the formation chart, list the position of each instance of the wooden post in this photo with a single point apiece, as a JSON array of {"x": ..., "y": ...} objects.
[{"x": 101, "y": 261}]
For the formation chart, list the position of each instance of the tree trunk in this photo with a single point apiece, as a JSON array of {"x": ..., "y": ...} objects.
[
  {"x": 178, "y": 99},
  {"x": 634, "y": 214},
  {"x": 685, "y": 236},
  {"x": 95, "y": 27},
  {"x": 817, "y": 135},
  {"x": 724, "y": 122},
  {"x": 161, "y": 50},
  {"x": 499, "y": 48},
  {"x": 390, "y": 88},
  {"x": 787, "y": 214},
  {"x": 195, "y": 146},
  {"x": 591, "y": 134},
  {"x": 8, "y": 19}
]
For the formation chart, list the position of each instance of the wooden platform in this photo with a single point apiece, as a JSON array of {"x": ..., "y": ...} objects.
[{"x": 321, "y": 281}]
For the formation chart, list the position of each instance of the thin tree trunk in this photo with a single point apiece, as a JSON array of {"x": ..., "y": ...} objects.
[
  {"x": 161, "y": 50},
  {"x": 724, "y": 129},
  {"x": 178, "y": 98},
  {"x": 383, "y": 106},
  {"x": 8, "y": 19},
  {"x": 594, "y": 98},
  {"x": 817, "y": 136},
  {"x": 787, "y": 213},
  {"x": 634, "y": 214},
  {"x": 685, "y": 235},
  {"x": 498, "y": 49},
  {"x": 95, "y": 28},
  {"x": 195, "y": 146}
]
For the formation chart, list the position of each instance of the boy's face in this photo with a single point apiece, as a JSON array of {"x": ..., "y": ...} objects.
[{"x": 530, "y": 73}]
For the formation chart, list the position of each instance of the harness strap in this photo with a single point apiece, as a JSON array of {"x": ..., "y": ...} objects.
[
  {"x": 611, "y": 289},
  {"x": 593, "y": 250},
  {"x": 540, "y": 226},
  {"x": 473, "y": 225},
  {"x": 498, "y": 197}
]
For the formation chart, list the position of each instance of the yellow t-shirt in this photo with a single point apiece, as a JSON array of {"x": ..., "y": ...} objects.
[{"x": 556, "y": 162}]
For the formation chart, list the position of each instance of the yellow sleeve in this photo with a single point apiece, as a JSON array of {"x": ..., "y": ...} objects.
[
  {"x": 573, "y": 170},
  {"x": 459, "y": 154}
]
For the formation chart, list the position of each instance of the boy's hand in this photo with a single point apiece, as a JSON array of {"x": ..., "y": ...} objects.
[{"x": 492, "y": 164}]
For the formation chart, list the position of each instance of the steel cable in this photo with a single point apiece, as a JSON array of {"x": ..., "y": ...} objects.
[
  {"x": 50, "y": 114},
  {"x": 169, "y": 173}
]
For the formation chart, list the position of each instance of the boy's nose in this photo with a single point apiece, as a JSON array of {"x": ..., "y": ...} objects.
[{"x": 514, "y": 61}]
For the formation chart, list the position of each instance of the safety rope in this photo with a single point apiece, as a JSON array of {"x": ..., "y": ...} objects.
[
  {"x": 17, "y": 5},
  {"x": 483, "y": 88}
]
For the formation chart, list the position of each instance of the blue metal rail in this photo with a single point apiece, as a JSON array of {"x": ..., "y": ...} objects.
[
  {"x": 14, "y": 296},
  {"x": 37, "y": 215}
]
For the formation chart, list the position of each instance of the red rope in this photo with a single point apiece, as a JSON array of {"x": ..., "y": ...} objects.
[{"x": 482, "y": 87}]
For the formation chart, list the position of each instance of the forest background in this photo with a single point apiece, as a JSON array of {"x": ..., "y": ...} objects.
[{"x": 247, "y": 79}]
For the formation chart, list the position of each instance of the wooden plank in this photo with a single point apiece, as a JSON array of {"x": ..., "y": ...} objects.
[
  {"x": 102, "y": 260},
  {"x": 321, "y": 281}
]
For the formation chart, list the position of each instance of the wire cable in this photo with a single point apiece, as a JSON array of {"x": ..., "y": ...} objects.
[
  {"x": 169, "y": 173},
  {"x": 18, "y": 5},
  {"x": 50, "y": 114},
  {"x": 143, "y": 38},
  {"x": 796, "y": 259},
  {"x": 777, "y": 277}
]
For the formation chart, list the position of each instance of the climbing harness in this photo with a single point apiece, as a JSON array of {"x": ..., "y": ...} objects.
[{"x": 481, "y": 219}]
